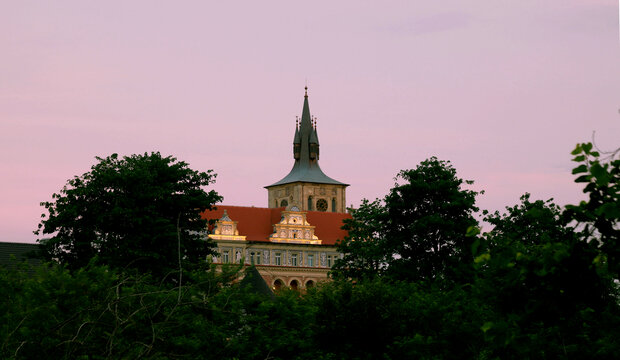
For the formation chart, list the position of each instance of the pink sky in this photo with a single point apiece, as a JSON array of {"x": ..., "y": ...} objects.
[{"x": 503, "y": 89}]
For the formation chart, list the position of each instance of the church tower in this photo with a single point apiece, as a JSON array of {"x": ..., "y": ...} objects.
[{"x": 306, "y": 186}]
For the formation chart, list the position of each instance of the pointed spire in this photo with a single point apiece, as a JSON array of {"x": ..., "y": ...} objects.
[
  {"x": 305, "y": 131},
  {"x": 306, "y": 152},
  {"x": 306, "y": 121},
  {"x": 314, "y": 138},
  {"x": 297, "y": 138},
  {"x": 315, "y": 134}
]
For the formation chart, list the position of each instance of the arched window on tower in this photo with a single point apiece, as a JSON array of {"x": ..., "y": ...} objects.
[
  {"x": 284, "y": 203},
  {"x": 333, "y": 204},
  {"x": 309, "y": 203}
]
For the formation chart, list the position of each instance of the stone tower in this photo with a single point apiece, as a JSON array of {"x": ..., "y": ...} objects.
[{"x": 306, "y": 186}]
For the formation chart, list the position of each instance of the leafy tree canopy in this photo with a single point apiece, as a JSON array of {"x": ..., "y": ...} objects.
[
  {"x": 600, "y": 215},
  {"x": 542, "y": 282},
  {"x": 131, "y": 212},
  {"x": 365, "y": 250},
  {"x": 418, "y": 231}
]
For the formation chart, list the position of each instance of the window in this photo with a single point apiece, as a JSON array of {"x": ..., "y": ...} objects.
[
  {"x": 309, "y": 284},
  {"x": 310, "y": 260},
  {"x": 225, "y": 257},
  {"x": 309, "y": 203},
  {"x": 321, "y": 205},
  {"x": 258, "y": 256},
  {"x": 334, "y": 205},
  {"x": 329, "y": 261},
  {"x": 278, "y": 258},
  {"x": 294, "y": 259},
  {"x": 284, "y": 203},
  {"x": 252, "y": 258}
]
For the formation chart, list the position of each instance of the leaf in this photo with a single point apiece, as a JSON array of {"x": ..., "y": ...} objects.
[
  {"x": 472, "y": 231},
  {"x": 577, "y": 150},
  {"x": 602, "y": 177},
  {"x": 474, "y": 246},
  {"x": 579, "y": 158},
  {"x": 583, "y": 178},
  {"x": 609, "y": 211},
  {"x": 580, "y": 169},
  {"x": 487, "y": 326},
  {"x": 482, "y": 258}
]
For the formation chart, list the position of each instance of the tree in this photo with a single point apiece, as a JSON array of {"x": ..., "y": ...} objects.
[
  {"x": 139, "y": 211},
  {"x": 365, "y": 255},
  {"x": 542, "y": 284},
  {"x": 600, "y": 215},
  {"x": 419, "y": 231},
  {"x": 429, "y": 214}
]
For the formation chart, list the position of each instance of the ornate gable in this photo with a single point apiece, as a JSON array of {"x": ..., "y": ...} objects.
[
  {"x": 226, "y": 229},
  {"x": 294, "y": 228}
]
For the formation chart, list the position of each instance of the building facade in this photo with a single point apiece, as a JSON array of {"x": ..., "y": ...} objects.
[{"x": 292, "y": 241}]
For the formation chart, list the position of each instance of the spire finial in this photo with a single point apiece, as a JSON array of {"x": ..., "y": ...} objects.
[{"x": 306, "y": 88}]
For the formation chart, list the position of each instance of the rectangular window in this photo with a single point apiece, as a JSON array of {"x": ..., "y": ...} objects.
[
  {"x": 252, "y": 258},
  {"x": 258, "y": 256},
  {"x": 329, "y": 261},
  {"x": 278, "y": 259},
  {"x": 294, "y": 259},
  {"x": 225, "y": 258},
  {"x": 310, "y": 260}
]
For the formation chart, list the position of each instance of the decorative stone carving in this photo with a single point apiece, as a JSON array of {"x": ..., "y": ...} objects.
[
  {"x": 226, "y": 229},
  {"x": 294, "y": 228}
]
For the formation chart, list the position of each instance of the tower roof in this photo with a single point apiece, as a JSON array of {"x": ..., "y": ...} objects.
[{"x": 306, "y": 169}]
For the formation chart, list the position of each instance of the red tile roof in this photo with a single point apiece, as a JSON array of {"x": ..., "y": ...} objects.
[{"x": 257, "y": 223}]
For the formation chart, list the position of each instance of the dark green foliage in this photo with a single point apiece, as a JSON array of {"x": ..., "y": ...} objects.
[
  {"x": 97, "y": 312},
  {"x": 365, "y": 250},
  {"x": 401, "y": 320},
  {"x": 126, "y": 211},
  {"x": 93, "y": 312},
  {"x": 543, "y": 284},
  {"x": 600, "y": 215},
  {"x": 428, "y": 217},
  {"x": 419, "y": 230}
]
